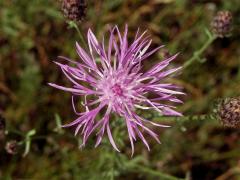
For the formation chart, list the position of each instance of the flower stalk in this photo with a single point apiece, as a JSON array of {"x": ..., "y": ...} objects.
[
  {"x": 197, "y": 54},
  {"x": 72, "y": 24}
]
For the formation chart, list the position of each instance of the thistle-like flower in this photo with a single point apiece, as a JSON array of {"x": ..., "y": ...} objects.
[{"x": 117, "y": 84}]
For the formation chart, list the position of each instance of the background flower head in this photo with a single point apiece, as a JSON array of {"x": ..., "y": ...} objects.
[{"x": 117, "y": 84}]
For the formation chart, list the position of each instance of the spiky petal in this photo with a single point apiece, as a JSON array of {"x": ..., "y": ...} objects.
[{"x": 117, "y": 85}]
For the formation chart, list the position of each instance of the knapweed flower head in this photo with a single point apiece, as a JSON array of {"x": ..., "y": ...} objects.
[
  {"x": 222, "y": 24},
  {"x": 74, "y": 10},
  {"x": 229, "y": 112},
  {"x": 111, "y": 80}
]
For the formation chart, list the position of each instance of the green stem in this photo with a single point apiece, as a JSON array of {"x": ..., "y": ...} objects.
[
  {"x": 80, "y": 34},
  {"x": 14, "y": 131},
  {"x": 183, "y": 119},
  {"x": 161, "y": 175},
  {"x": 81, "y": 37},
  {"x": 28, "y": 141},
  {"x": 198, "y": 53}
]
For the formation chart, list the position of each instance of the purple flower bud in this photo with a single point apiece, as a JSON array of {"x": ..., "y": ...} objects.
[
  {"x": 229, "y": 112},
  {"x": 74, "y": 9},
  {"x": 11, "y": 147},
  {"x": 222, "y": 24}
]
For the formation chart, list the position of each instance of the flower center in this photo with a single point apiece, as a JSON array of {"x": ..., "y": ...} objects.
[{"x": 117, "y": 90}]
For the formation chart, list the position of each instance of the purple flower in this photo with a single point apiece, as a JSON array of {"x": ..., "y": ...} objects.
[{"x": 111, "y": 81}]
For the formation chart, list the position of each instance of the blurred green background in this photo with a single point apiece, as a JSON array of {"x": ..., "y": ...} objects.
[{"x": 32, "y": 35}]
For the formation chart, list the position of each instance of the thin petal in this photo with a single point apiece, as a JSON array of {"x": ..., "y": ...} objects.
[{"x": 111, "y": 138}]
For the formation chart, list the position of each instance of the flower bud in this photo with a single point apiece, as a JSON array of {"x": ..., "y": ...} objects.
[
  {"x": 74, "y": 9},
  {"x": 11, "y": 147},
  {"x": 229, "y": 112},
  {"x": 222, "y": 24}
]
